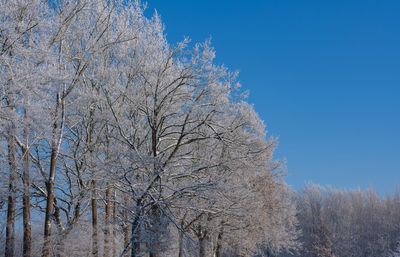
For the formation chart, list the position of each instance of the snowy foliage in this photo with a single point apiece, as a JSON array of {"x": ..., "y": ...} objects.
[
  {"x": 121, "y": 143},
  {"x": 348, "y": 223}
]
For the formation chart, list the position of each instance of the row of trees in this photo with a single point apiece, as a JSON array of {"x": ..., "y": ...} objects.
[
  {"x": 115, "y": 143},
  {"x": 123, "y": 145},
  {"x": 348, "y": 223}
]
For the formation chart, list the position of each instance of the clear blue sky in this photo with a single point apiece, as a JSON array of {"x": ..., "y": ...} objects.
[{"x": 323, "y": 75}]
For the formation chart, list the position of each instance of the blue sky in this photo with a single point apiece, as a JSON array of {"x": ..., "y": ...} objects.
[{"x": 323, "y": 75}]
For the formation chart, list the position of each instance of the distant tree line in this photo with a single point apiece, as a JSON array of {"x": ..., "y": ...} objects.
[{"x": 348, "y": 223}]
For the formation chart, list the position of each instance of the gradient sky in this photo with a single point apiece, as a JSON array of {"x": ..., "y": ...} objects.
[{"x": 323, "y": 75}]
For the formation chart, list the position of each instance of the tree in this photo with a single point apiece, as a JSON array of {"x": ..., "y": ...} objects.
[
  {"x": 19, "y": 93},
  {"x": 321, "y": 243}
]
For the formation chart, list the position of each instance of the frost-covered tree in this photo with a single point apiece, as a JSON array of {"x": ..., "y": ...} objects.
[
  {"x": 347, "y": 223},
  {"x": 21, "y": 58},
  {"x": 104, "y": 124}
]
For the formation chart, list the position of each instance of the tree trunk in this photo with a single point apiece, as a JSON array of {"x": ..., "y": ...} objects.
[
  {"x": 126, "y": 223},
  {"x": 61, "y": 246},
  {"x": 135, "y": 230},
  {"x": 114, "y": 225},
  {"x": 202, "y": 247},
  {"x": 181, "y": 234},
  {"x": 135, "y": 245},
  {"x": 107, "y": 223},
  {"x": 10, "y": 230},
  {"x": 156, "y": 215},
  {"x": 156, "y": 231},
  {"x": 202, "y": 236},
  {"x": 90, "y": 143},
  {"x": 95, "y": 239},
  {"x": 49, "y": 205},
  {"x": 59, "y": 243},
  {"x": 26, "y": 211},
  {"x": 218, "y": 251},
  {"x": 50, "y": 185},
  {"x": 180, "y": 253},
  {"x": 268, "y": 253}
]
